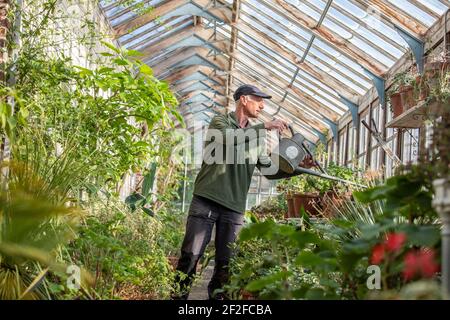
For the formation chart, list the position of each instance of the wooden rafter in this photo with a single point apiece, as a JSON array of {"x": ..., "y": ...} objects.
[
  {"x": 233, "y": 43},
  {"x": 336, "y": 41},
  {"x": 141, "y": 35},
  {"x": 185, "y": 72},
  {"x": 162, "y": 45},
  {"x": 137, "y": 21},
  {"x": 220, "y": 62},
  {"x": 393, "y": 13},
  {"x": 351, "y": 15},
  {"x": 362, "y": 37},
  {"x": 214, "y": 97},
  {"x": 300, "y": 48},
  {"x": 185, "y": 85}
]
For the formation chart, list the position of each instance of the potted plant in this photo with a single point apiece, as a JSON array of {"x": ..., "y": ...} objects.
[
  {"x": 299, "y": 193},
  {"x": 395, "y": 94},
  {"x": 436, "y": 66}
]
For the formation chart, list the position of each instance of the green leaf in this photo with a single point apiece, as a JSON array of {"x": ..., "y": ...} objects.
[
  {"x": 106, "y": 54},
  {"x": 257, "y": 230},
  {"x": 261, "y": 283},
  {"x": 105, "y": 70},
  {"x": 149, "y": 180},
  {"x": 303, "y": 238},
  {"x": 300, "y": 293},
  {"x": 148, "y": 211},
  {"x": 357, "y": 246},
  {"x": 308, "y": 259},
  {"x": 121, "y": 62},
  {"x": 110, "y": 46},
  {"x": 319, "y": 294},
  {"x": 133, "y": 53},
  {"x": 348, "y": 261},
  {"x": 428, "y": 236},
  {"x": 145, "y": 69}
]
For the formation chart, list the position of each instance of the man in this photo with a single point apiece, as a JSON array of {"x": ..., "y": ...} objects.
[{"x": 221, "y": 188}]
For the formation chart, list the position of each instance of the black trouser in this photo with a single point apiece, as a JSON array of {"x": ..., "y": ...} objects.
[{"x": 203, "y": 214}]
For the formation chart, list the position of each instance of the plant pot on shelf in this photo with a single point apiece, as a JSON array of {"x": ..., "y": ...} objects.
[
  {"x": 407, "y": 96},
  {"x": 308, "y": 201},
  {"x": 290, "y": 204},
  {"x": 433, "y": 70},
  {"x": 396, "y": 104}
]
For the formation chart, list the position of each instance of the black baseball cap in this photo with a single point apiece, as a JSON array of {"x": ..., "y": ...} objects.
[{"x": 248, "y": 89}]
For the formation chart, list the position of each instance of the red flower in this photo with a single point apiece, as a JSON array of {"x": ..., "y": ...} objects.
[
  {"x": 377, "y": 254},
  {"x": 410, "y": 265},
  {"x": 394, "y": 241},
  {"x": 428, "y": 266},
  {"x": 420, "y": 262}
]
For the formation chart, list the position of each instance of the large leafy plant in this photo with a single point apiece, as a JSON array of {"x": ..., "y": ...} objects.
[
  {"x": 393, "y": 226},
  {"x": 32, "y": 229}
]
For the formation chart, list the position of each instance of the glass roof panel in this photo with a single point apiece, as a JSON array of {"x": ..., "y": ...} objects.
[
  {"x": 434, "y": 5},
  {"x": 157, "y": 36},
  {"x": 414, "y": 11},
  {"x": 368, "y": 31},
  {"x": 162, "y": 28}
]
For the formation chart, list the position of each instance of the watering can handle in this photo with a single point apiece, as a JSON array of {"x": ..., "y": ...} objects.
[
  {"x": 307, "y": 150},
  {"x": 291, "y": 129}
]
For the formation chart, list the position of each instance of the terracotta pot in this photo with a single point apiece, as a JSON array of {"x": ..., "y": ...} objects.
[
  {"x": 407, "y": 95},
  {"x": 396, "y": 104},
  {"x": 290, "y": 204},
  {"x": 308, "y": 201},
  {"x": 433, "y": 70}
]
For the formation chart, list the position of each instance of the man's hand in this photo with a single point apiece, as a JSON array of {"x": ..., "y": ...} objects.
[
  {"x": 308, "y": 162},
  {"x": 276, "y": 124}
]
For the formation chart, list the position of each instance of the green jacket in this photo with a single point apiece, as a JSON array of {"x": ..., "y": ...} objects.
[{"x": 221, "y": 181}]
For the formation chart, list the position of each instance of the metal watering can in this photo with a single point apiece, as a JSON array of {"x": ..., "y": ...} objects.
[{"x": 289, "y": 154}]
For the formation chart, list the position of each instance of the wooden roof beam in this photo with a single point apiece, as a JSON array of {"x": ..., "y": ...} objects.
[
  {"x": 183, "y": 73},
  {"x": 138, "y": 21},
  {"x": 233, "y": 43},
  {"x": 396, "y": 15},
  {"x": 336, "y": 41},
  {"x": 133, "y": 23},
  {"x": 309, "y": 68},
  {"x": 219, "y": 62}
]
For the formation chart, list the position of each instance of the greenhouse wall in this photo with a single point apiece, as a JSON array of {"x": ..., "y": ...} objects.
[{"x": 358, "y": 146}]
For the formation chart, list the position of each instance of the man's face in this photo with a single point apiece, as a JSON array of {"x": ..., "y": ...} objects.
[{"x": 252, "y": 105}]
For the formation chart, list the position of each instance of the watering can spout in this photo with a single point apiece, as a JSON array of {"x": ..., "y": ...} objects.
[{"x": 291, "y": 152}]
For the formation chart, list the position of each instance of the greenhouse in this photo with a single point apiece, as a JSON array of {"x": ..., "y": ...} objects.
[{"x": 225, "y": 150}]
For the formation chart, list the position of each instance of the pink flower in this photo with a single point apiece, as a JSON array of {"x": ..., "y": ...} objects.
[{"x": 395, "y": 241}]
